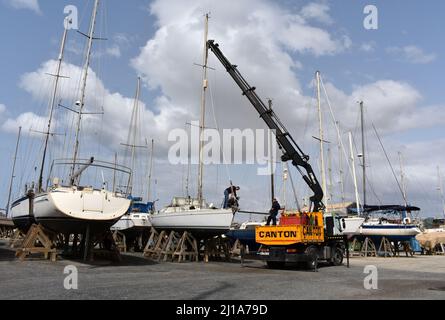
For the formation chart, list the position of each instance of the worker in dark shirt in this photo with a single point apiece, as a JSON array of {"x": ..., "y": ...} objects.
[
  {"x": 230, "y": 192},
  {"x": 273, "y": 212}
]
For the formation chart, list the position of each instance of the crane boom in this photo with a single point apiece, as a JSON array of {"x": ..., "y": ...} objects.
[{"x": 291, "y": 150}]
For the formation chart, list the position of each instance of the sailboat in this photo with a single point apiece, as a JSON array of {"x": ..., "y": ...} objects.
[
  {"x": 347, "y": 225},
  {"x": 74, "y": 208},
  {"x": 374, "y": 227},
  {"x": 136, "y": 220},
  {"x": 22, "y": 209},
  {"x": 195, "y": 214},
  {"x": 394, "y": 230}
]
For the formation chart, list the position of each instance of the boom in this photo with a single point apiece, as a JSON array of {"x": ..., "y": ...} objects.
[{"x": 291, "y": 151}]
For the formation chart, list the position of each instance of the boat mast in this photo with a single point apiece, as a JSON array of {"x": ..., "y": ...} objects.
[
  {"x": 272, "y": 178},
  {"x": 354, "y": 175},
  {"x": 342, "y": 185},
  {"x": 114, "y": 172},
  {"x": 150, "y": 170},
  {"x": 363, "y": 152},
  {"x": 187, "y": 191},
  {"x": 441, "y": 190},
  {"x": 132, "y": 142},
  {"x": 203, "y": 102},
  {"x": 285, "y": 172},
  {"x": 402, "y": 180},
  {"x": 13, "y": 171},
  {"x": 320, "y": 120},
  {"x": 330, "y": 174},
  {"x": 52, "y": 106},
  {"x": 83, "y": 87}
]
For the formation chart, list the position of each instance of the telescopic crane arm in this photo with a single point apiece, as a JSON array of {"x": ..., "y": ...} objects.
[{"x": 291, "y": 151}]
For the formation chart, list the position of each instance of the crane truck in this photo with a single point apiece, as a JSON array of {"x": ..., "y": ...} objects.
[{"x": 306, "y": 237}]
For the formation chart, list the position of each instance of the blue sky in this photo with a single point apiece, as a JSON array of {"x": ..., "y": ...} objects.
[{"x": 396, "y": 69}]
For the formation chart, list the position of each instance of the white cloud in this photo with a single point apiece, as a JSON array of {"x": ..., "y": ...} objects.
[
  {"x": 114, "y": 51},
  {"x": 318, "y": 12},
  {"x": 392, "y": 106},
  {"x": 260, "y": 39},
  {"x": 29, "y": 121},
  {"x": 413, "y": 54},
  {"x": 25, "y": 4},
  {"x": 117, "y": 108},
  {"x": 124, "y": 39},
  {"x": 247, "y": 31},
  {"x": 368, "y": 46}
]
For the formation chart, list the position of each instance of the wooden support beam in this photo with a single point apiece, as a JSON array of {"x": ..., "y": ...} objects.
[{"x": 37, "y": 240}]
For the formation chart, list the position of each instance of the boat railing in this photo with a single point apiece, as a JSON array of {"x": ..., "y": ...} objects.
[
  {"x": 87, "y": 163},
  {"x": 95, "y": 163}
]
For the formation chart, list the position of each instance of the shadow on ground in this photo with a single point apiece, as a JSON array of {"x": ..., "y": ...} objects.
[
  {"x": 206, "y": 294},
  {"x": 127, "y": 260},
  {"x": 6, "y": 254}
]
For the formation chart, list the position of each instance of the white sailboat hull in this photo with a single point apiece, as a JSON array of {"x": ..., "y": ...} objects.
[
  {"x": 199, "y": 221},
  {"x": 21, "y": 214},
  {"x": 71, "y": 209},
  {"x": 401, "y": 230},
  {"x": 391, "y": 231},
  {"x": 134, "y": 221}
]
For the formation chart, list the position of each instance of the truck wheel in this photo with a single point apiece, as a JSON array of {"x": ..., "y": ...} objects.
[
  {"x": 312, "y": 254},
  {"x": 337, "y": 259},
  {"x": 275, "y": 264}
]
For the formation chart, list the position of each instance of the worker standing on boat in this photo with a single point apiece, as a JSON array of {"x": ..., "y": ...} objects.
[
  {"x": 230, "y": 192},
  {"x": 273, "y": 212}
]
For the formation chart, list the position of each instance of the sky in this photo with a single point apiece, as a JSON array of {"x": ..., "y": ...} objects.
[{"x": 277, "y": 45}]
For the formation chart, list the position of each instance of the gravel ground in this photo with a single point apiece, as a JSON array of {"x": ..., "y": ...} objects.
[{"x": 419, "y": 277}]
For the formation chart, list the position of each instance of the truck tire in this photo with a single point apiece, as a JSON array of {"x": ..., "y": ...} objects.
[
  {"x": 337, "y": 258},
  {"x": 312, "y": 254},
  {"x": 275, "y": 264}
]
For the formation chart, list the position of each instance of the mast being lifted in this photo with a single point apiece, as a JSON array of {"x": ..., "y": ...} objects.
[
  {"x": 203, "y": 110},
  {"x": 291, "y": 151}
]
